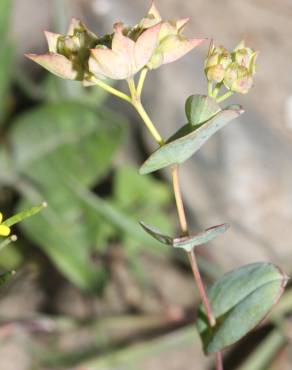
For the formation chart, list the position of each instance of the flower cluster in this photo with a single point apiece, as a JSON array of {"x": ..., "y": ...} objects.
[
  {"x": 81, "y": 55},
  {"x": 235, "y": 70}
]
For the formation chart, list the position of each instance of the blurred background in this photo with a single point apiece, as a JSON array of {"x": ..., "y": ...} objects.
[{"x": 92, "y": 291}]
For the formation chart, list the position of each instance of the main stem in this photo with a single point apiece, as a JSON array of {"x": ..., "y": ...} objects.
[
  {"x": 136, "y": 102},
  {"x": 191, "y": 255}
]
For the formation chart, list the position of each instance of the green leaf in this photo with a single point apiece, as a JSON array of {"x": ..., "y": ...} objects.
[
  {"x": 6, "y": 69},
  {"x": 200, "y": 108},
  {"x": 139, "y": 197},
  {"x": 133, "y": 192},
  {"x": 240, "y": 301},
  {"x": 111, "y": 213},
  {"x": 24, "y": 214},
  {"x": 156, "y": 234},
  {"x": 5, "y": 13},
  {"x": 6, "y": 55},
  {"x": 56, "y": 89},
  {"x": 7, "y": 176},
  {"x": 188, "y": 243},
  {"x": 65, "y": 139},
  {"x": 63, "y": 235},
  {"x": 54, "y": 147},
  {"x": 178, "y": 149}
]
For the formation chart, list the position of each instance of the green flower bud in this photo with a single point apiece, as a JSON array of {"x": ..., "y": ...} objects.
[
  {"x": 68, "y": 54},
  {"x": 245, "y": 57},
  {"x": 238, "y": 78},
  {"x": 215, "y": 73},
  {"x": 216, "y": 63}
]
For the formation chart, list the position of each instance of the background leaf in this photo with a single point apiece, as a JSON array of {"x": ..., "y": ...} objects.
[
  {"x": 67, "y": 139},
  {"x": 6, "y": 56},
  {"x": 52, "y": 147},
  {"x": 5, "y": 13}
]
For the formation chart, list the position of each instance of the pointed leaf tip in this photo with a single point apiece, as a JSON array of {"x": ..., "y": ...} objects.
[
  {"x": 56, "y": 64},
  {"x": 181, "y": 23},
  {"x": 52, "y": 40}
]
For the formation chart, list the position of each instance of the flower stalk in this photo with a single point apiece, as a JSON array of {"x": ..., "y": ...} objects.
[{"x": 136, "y": 102}]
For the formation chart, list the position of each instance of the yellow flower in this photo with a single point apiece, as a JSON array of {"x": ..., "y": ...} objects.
[{"x": 4, "y": 230}]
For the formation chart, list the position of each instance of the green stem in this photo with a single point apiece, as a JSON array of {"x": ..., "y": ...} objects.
[
  {"x": 152, "y": 129},
  {"x": 217, "y": 89},
  {"x": 132, "y": 88},
  {"x": 142, "y": 80},
  {"x": 113, "y": 91},
  {"x": 210, "y": 88},
  {"x": 224, "y": 96},
  {"x": 136, "y": 102}
]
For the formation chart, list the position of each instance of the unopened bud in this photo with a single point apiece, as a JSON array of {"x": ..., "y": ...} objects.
[
  {"x": 216, "y": 63},
  {"x": 238, "y": 78},
  {"x": 245, "y": 57}
]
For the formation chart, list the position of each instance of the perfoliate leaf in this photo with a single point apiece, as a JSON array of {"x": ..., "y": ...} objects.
[
  {"x": 200, "y": 108},
  {"x": 180, "y": 148},
  {"x": 24, "y": 214},
  {"x": 240, "y": 301},
  {"x": 187, "y": 243}
]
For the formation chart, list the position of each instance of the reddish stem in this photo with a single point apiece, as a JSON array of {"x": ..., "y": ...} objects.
[
  {"x": 201, "y": 288},
  {"x": 219, "y": 361},
  {"x": 192, "y": 257}
]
